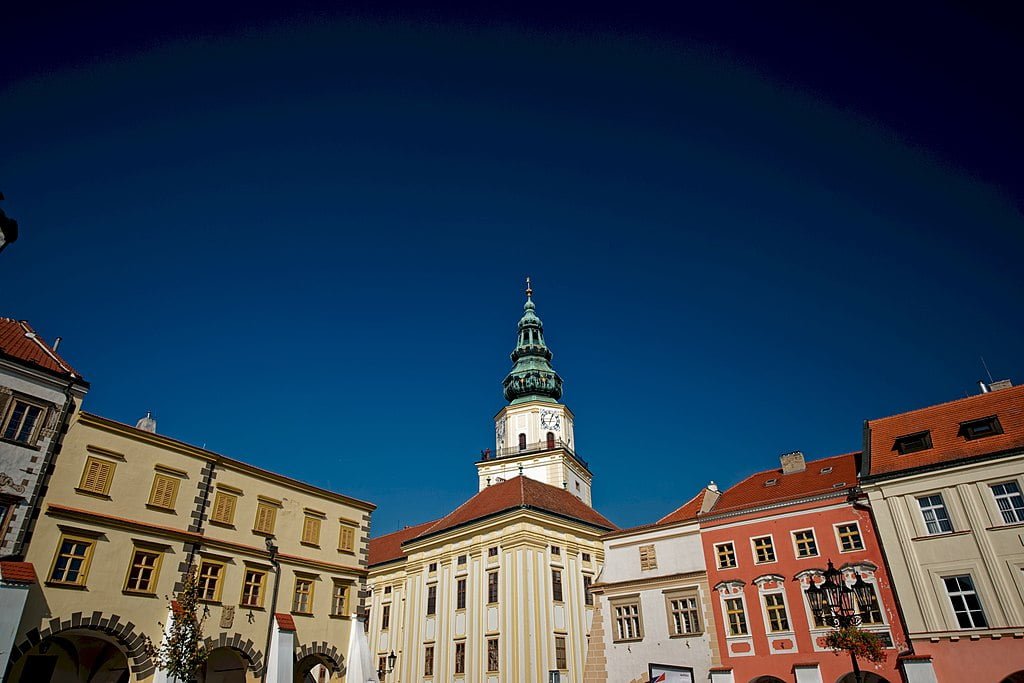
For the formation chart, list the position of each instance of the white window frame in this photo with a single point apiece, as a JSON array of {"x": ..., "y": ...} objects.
[
  {"x": 952, "y": 608},
  {"x": 725, "y": 615},
  {"x": 764, "y": 612},
  {"x": 753, "y": 549},
  {"x": 37, "y": 427},
  {"x": 735, "y": 553},
  {"x": 839, "y": 539},
  {"x": 918, "y": 498},
  {"x": 1018, "y": 513},
  {"x": 796, "y": 547}
]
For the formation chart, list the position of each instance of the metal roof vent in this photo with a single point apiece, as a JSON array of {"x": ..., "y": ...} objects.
[{"x": 147, "y": 424}]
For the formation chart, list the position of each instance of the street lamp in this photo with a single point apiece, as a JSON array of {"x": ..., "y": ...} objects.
[
  {"x": 8, "y": 228},
  {"x": 837, "y": 604},
  {"x": 381, "y": 673}
]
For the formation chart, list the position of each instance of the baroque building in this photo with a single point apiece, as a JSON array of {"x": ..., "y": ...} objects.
[{"x": 499, "y": 589}]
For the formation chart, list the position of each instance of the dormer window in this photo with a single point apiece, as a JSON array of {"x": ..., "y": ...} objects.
[
  {"x": 912, "y": 443},
  {"x": 979, "y": 429},
  {"x": 771, "y": 482},
  {"x": 825, "y": 470}
]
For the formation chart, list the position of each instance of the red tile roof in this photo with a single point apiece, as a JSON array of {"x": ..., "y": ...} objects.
[
  {"x": 19, "y": 342},
  {"x": 752, "y": 492},
  {"x": 686, "y": 511},
  {"x": 943, "y": 421},
  {"x": 519, "y": 492},
  {"x": 285, "y": 622},
  {"x": 18, "y": 572}
]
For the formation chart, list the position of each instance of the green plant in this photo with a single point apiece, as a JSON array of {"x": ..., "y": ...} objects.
[
  {"x": 860, "y": 644},
  {"x": 182, "y": 650}
]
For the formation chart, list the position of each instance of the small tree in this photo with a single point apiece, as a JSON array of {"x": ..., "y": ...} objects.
[
  {"x": 182, "y": 652},
  {"x": 859, "y": 644}
]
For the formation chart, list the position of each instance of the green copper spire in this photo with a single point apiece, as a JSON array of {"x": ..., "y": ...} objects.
[{"x": 532, "y": 378}]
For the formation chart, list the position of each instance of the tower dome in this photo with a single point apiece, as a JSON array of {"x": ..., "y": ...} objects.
[{"x": 532, "y": 378}]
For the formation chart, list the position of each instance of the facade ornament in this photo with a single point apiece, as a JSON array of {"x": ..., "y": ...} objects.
[{"x": 6, "y": 481}]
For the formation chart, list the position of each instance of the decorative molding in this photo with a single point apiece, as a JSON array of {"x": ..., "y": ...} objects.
[{"x": 5, "y": 480}]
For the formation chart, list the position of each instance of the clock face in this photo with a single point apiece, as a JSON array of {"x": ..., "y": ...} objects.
[{"x": 549, "y": 419}]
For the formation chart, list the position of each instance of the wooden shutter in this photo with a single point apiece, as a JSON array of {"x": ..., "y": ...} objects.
[
  {"x": 164, "y": 491},
  {"x": 347, "y": 537},
  {"x": 265, "y": 515},
  {"x": 97, "y": 475},
  {"x": 224, "y": 507},
  {"x": 648, "y": 560},
  {"x": 311, "y": 530}
]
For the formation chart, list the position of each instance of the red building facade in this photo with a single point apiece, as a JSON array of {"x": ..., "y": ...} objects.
[{"x": 764, "y": 541}]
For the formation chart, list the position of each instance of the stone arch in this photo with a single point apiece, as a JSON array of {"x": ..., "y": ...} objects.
[
  {"x": 1016, "y": 677},
  {"x": 244, "y": 646},
  {"x": 866, "y": 677},
  {"x": 131, "y": 640},
  {"x": 766, "y": 679},
  {"x": 327, "y": 654}
]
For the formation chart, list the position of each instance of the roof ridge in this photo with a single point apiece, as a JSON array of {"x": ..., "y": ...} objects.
[
  {"x": 405, "y": 528},
  {"x": 468, "y": 501},
  {"x": 46, "y": 347},
  {"x": 680, "y": 507},
  {"x": 997, "y": 392}
]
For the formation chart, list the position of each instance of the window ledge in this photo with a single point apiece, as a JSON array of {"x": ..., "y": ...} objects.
[
  {"x": 1014, "y": 525},
  {"x": 138, "y": 594},
  {"x": 310, "y": 545},
  {"x": 628, "y": 640},
  {"x": 852, "y": 550},
  {"x": 258, "y": 608},
  {"x": 94, "y": 494},
  {"x": 70, "y": 586},
  {"x": 217, "y": 522},
  {"x": 947, "y": 534},
  {"x": 301, "y": 614},
  {"x": 339, "y": 616},
  {"x": 266, "y": 534},
  {"x": 21, "y": 444},
  {"x": 161, "y": 508},
  {"x": 687, "y": 635}
]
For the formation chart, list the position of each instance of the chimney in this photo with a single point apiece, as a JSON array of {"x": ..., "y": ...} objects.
[
  {"x": 792, "y": 462},
  {"x": 1000, "y": 384},
  {"x": 984, "y": 387},
  {"x": 147, "y": 424},
  {"x": 56, "y": 343},
  {"x": 711, "y": 494}
]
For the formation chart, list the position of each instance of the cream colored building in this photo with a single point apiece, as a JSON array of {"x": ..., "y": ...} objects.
[
  {"x": 128, "y": 511},
  {"x": 498, "y": 590},
  {"x": 945, "y": 487}
]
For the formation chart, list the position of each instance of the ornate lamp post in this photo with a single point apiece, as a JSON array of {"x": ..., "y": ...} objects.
[
  {"x": 381, "y": 673},
  {"x": 836, "y": 604}
]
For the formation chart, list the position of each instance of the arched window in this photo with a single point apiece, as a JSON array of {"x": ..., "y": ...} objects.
[
  {"x": 551, "y": 439},
  {"x": 522, "y": 442}
]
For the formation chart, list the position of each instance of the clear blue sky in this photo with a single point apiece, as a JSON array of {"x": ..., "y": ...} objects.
[{"x": 302, "y": 243}]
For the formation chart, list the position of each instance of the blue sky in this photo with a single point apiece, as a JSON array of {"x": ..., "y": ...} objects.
[{"x": 302, "y": 244}]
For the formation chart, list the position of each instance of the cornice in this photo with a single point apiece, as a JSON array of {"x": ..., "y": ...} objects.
[
  {"x": 921, "y": 470},
  {"x": 843, "y": 492},
  {"x": 651, "y": 582}
]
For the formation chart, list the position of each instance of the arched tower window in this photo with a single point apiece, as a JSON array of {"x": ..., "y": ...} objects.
[
  {"x": 522, "y": 442},
  {"x": 551, "y": 439}
]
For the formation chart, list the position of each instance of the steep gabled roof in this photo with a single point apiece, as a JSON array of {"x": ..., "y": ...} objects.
[
  {"x": 389, "y": 546},
  {"x": 687, "y": 511},
  {"x": 20, "y": 343},
  {"x": 832, "y": 474},
  {"x": 943, "y": 422}
]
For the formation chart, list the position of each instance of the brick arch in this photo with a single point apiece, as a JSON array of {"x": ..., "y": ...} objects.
[
  {"x": 243, "y": 646},
  {"x": 125, "y": 633},
  {"x": 328, "y": 653}
]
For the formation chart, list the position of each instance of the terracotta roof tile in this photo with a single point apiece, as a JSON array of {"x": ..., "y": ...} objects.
[
  {"x": 752, "y": 491},
  {"x": 943, "y": 421},
  {"x": 686, "y": 511},
  {"x": 18, "y": 572},
  {"x": 389, "y": 546},
  {"x": 285, "y": 622},
  {"x": 19, "y": 342}
]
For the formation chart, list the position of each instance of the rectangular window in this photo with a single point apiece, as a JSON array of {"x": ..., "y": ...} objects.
[
  {"x": 382, "y": 667},
  {"x": 432, "y": 567},
  {"x": 764, "y": 549},
  {"x": 775, "y": 605},
  {"x": 71, "y": 563},
  {"x": 626, "y": 616},
  {"x": 460, "y": 657},
  {"x": 96, "y": 476},
  {"x": 210, "y": 580},
  {"x": 347, "y": 537},
  {"x": 461, "y": 560},
  {"x": 164, "y": 491},
  {"x": 492, "y": 551},
  {"x": 683, "y": 615},
  {"x": 339, "y": 599},
  {"x": 737, "y": 617},
  {"x": 912, "y": 443},
  {"x": 22, "y": 422},
  {"x": 385, "y": 617},
  {"x": 560, "y": 658},
  {"x": 492, "y": 587},
  {"x": 648, "y": 560},
  {"x": 979, "y": 429},
  {"x": 224, "y": 508},
  {"x": 588, "y": 597},
  {"x": 936, "y": 519},
  {"x": 460, "y": 594},
  {"x": 555, "y": 550},
  {"x": 726, "y": 553},
  {"x": 849, "y": 537},
  {"x": 492, "y": 654},
  {"x": 266, "y": 516},
  {"x": 806, "y": 546},
  {"x": 311, "y": 530},
  {"x": 252, "y": 588},
  {"x": 964, "y": 599},
  {"x": 586, "y": 557},
  {"x": 428, "y": 660},
  {"x": 142, "y": 572},
  {"x": 302, "y": 602},
  {"x": 556, "y": 585},
  {"x": 432, "y": 600},
  {"x": 1010, "y": 501}
]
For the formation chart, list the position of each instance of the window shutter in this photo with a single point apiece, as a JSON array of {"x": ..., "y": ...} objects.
[
  {"x": 265, "y": 518},
  {"x": 97, "y": 476},
  {"x": 164, "y": 489},
  {"x": 311, "y": 530},
  {"x": 224, "y": 507},
  {"x": 648, "y": 560},
  {"x": 346, "y": 540}
]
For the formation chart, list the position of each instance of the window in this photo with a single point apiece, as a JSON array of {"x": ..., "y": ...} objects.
[
  {"x": 460, "y": 594},
  {"x": 382, "y": 667},
  {"x": 22, "y": 422},
  {"x": 870, "y": 613},
  {"x": 556, "y": 585},
  {"x": 432, "y": 567},
  {"x": 492, "y": 551},
  {"x": 210, "y": 575},
  {"x": 626, "y": 616},
  {"x": 806, "y": 546},
  {"x": 775, "y": 605},
  {"x": 560, "y": 658},
  {"x": 965, "y": 602},
  {"x": 550, "y": 440},
  {"x": 302, "y": 601},
  {"x": 912, "y": 443},
  {"x": 936, "y": 519},
  {"x": 460, "y": 560},
  {"x": 428, "y": 660},
  {"x": 71, "y": 563},
  {"x": 588, "y": 597},
  {"x": 492, "y": 654},
  {"x": 492, "y": 587},
  {"x": 764, "y": 549},
  {"x": 586, "y": 557},
  {"x": 726, "y": 553},
  {"x": 252, "y": 588},
  {"x": 266, "y": 515},
  {"x": 648, "y": 560},
  {"x": 339, "y": 599},
  {"x": 1010, "y": 501},
  {"x": 556, "y": 550},
  {"x": 432, "y": 600},
  {"x": 460, "y": 657},
  {"x": 849, "y": 537},
  {"x": 736, "y": 616},
  {"x": 164, "y": 491},
  {"x": 385, "y": 617},
  {"x": 387, "y": 590},
  {"x": 311, "y": 530},
  {"x": 682, "y": 615},
  {"x": 224, "y": 508},
  {"x": 347, "y": 537},
  {"x": 142, "y": 572},
  {"x": 979, "y": 429},
  {"x": 522, "y": 442},
  {"x": 96, "y": 476}
]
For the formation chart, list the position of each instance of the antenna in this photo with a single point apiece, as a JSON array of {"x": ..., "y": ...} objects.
[{"x": 987, "y": 372}]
